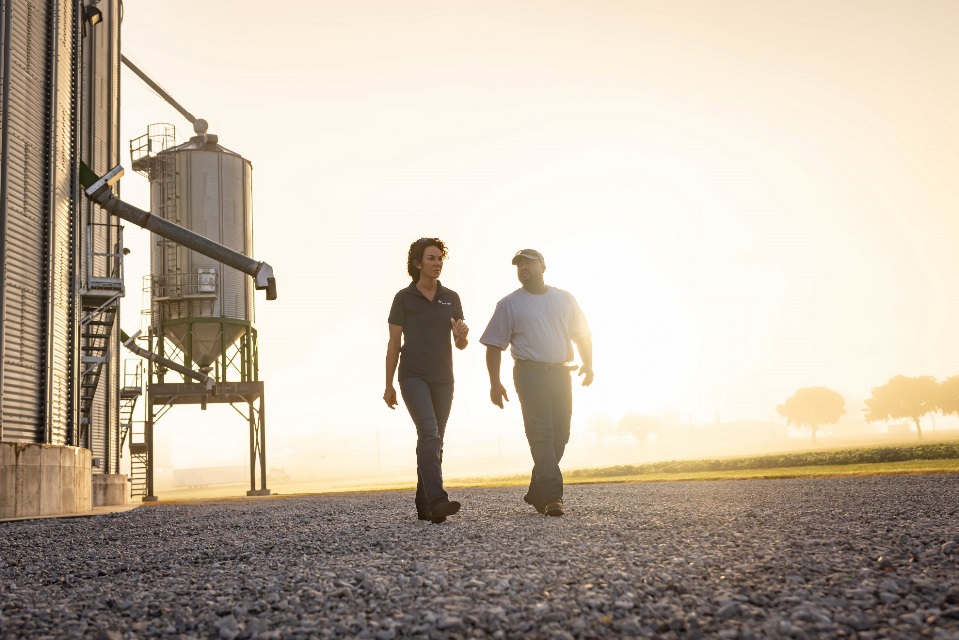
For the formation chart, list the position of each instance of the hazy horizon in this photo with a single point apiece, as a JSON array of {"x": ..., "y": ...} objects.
[{"x": 745, "y": 198}]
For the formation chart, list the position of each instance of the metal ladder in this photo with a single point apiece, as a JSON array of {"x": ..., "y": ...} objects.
[
  {"x": 151, "y": 159},
  {"x": 99, "y": 315},
  {"x": 166, "y": 205},
  {"x": 130, "y": 392},
  {"x": 139, "y": 459}
]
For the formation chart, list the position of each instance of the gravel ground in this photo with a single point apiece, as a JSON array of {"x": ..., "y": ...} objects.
[{"x": 856, "y": 557}]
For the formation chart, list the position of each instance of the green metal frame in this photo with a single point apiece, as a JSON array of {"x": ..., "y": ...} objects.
[
  {"x": 237, "y": 363},
  {"x": 240, "y": 358}
]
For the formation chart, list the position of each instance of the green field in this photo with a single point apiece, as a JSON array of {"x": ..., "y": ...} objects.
[{"x": 910, "y": 459}]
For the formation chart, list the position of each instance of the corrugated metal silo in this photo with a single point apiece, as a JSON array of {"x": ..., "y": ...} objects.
[
  {"x": 38, "y": 302},
  {"x": 100, "y": 242},
  {"x": 203, "y": 306},
  {"x": 201, "y": 309}
]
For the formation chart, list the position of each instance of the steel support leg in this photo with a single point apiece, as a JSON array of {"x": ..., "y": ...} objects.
[
  {"x": 258, "y": 448},
  {"x": 148, "y": 433}
]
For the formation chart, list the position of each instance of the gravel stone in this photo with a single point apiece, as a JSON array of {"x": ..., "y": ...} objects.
[
  {"x": 889, "y": 585},
  {"x": 805, "y": 558}
]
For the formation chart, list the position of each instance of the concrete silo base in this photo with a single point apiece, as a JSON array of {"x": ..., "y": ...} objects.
[
  {"x": 110, "y": 489},
  {"x": 43, "y": 480}
]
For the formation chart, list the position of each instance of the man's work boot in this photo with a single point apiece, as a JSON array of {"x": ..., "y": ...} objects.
[
  {"x": 536, "y": 505},
  {"x": 554, "y": 508},
  {"x": 441, "y": 512}
]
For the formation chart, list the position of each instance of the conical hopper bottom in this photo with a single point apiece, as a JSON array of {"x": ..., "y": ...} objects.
[{"x": 206, "y": 339}]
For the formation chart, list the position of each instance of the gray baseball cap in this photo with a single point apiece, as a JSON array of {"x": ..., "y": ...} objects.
[{"x": 530, "y": 254}]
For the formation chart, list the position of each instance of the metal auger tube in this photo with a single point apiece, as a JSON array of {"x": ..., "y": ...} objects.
[
  {"x": 100, "y": 191},
  {"x": 130, "y": 343}
]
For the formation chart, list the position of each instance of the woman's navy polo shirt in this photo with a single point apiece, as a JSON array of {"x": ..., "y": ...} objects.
[{"x": 427, "y": 350}]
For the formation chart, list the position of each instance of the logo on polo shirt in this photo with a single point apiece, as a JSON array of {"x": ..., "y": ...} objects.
[{"x": 448, "y": 304}]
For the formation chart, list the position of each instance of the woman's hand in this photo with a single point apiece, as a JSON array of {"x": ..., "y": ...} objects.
[
  {"x": 460, "y": 331},
  {"x": 389, "y": 396}
]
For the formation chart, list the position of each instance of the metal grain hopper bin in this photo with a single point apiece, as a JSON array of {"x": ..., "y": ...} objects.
[{"x": 201, "y": 305}]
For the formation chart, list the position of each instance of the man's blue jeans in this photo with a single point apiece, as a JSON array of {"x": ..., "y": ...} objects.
[
  {"x": 429, "y": 405},
  {"x": 546, "y": 397}
]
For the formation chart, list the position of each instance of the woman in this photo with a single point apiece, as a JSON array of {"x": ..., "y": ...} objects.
[{"x": 426, "y": 314}]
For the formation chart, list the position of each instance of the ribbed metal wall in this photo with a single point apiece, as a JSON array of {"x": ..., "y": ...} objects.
[
  {"x": 38, "y": 141},
  {"x": 112, "y": 452},
  {"x": 248, "y": 230},
  {"x": 213, "y": 196},
  {"x": 100, "y": 134},
  {"x": 61, "y": 249},
  {"x": 213, "y": 183},
  {"x": 42, "y": 222}
]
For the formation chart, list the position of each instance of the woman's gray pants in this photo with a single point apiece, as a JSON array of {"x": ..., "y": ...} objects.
[{"x": 429, "y": 405}]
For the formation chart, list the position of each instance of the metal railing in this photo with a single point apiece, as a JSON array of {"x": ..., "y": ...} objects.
[
  {"x": 158, "y": 138},
  {"x": 104, "y": 269},
  {"x": 132, "y": 374},
  {"x": 180, "y": 286}
]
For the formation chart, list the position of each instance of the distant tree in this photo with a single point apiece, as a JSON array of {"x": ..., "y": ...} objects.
[
  {"x": 949, "y": 396},
  {"x": 637, "y": 425},
  {"x": 904, "y": 397},
  {"x": 601, "y": 425},
  {"x": 813, "y": 407}
]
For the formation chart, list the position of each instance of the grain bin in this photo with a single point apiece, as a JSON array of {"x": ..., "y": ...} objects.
[{"x": 202, "y": 306}]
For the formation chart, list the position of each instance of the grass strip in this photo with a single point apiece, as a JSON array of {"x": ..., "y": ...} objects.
[
  {"x": 922, "y": 458},
  {"x": 837, "y": 457},
  {"x": 909, "y": 467}
]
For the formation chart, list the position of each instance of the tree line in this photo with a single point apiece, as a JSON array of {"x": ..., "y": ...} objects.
[{"x": 903, "y": 397}]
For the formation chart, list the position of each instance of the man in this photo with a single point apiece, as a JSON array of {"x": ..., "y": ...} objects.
[{"x": 539, "y": 323}]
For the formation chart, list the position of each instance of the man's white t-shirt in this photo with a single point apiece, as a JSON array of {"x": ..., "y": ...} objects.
[{"x": 537, "y": 327}]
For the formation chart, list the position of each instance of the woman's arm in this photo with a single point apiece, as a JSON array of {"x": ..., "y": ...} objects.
[
  {"x": 460, "y": 331},
  {"x": 392, "y": 358}
]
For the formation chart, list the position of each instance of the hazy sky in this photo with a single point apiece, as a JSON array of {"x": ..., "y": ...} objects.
[{"x": 746, "y": 197}]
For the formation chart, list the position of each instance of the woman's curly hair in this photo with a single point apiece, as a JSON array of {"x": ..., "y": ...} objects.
[{"x": 416, "y": 254}]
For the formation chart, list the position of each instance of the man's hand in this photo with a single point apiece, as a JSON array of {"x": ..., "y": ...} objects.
[
  {"x": 585, "y": 371},
  {"x": 389, "y": 396},
  {"x": 497, "y": 393}
]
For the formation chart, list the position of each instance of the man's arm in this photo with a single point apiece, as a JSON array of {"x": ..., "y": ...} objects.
[
  {"x": 585, "y": 347},
  {"x": 392, "y": 357},
  {"x": 497, "y": 392}
]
